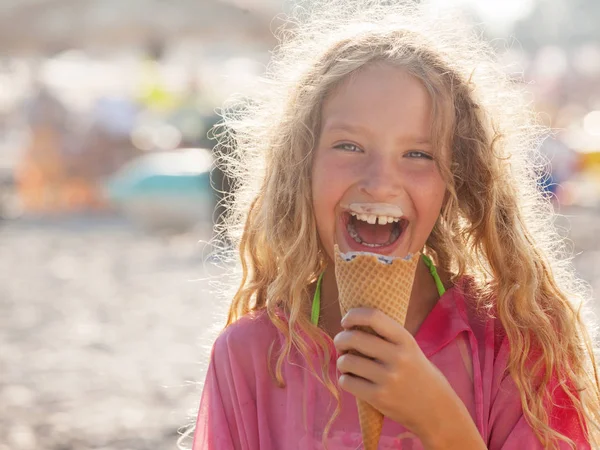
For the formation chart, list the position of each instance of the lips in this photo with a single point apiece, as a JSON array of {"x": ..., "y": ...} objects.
[{"x": 359, "y": 235}]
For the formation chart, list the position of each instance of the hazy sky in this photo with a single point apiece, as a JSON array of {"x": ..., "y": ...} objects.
[{"x": 495, "y": 12}]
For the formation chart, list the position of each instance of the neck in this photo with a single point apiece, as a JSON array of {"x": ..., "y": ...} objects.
[{"x": 423, "y": 298}]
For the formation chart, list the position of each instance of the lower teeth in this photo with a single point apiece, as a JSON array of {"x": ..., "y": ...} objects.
[{"x": 354, "y": 235}]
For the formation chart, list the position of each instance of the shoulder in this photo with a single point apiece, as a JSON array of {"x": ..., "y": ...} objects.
[
  {"x": 246, "y": 340},
  {"x": 249, "y": 331}
]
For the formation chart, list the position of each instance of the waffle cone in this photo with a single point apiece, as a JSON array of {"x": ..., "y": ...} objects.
[{"x": 366, "y": 282}]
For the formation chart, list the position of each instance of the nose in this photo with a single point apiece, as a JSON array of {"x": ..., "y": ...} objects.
[{"x": 381, "y": 180}]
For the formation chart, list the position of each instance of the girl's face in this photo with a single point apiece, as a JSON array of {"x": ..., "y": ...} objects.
[{"x": 376, "y": 185}]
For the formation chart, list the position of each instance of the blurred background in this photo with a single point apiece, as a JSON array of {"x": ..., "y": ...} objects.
[{"x": 106, "y": 202}]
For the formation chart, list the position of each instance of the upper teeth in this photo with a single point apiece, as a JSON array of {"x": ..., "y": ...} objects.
[{"x": 372, "y": 218}]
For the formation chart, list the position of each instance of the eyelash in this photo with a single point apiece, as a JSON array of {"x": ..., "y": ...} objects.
[
  {"x": 347, "y": 144},
  {"x": 414, "y": 153},
  {"x": 422, "y": 155}
]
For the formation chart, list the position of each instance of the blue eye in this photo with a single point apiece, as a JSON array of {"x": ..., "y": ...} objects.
[
  {"x": 418, "y": 155},
  {"x": 346, "y": 146}
]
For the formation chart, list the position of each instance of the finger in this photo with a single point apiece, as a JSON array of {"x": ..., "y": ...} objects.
[
  {"x": 364, "y": 343},
  {"x": 356, "y": 386},
  {"x": 382, "y": 324},
  {"x": 368, "y": 369}
]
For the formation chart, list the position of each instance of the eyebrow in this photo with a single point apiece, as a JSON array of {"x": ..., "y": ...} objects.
[{"x": 358, "y": 129}]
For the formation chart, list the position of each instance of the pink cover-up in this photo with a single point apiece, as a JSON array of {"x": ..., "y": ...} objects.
[{"x": 242, "y": 408}]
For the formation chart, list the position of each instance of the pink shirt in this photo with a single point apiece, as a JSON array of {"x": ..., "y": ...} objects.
[{"x": 242, "y": 408}]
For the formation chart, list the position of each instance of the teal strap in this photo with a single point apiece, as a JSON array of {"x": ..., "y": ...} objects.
[{"x": 316, "y": 305}]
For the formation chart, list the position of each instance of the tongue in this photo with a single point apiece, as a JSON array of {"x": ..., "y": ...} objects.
[{"x": 373, "y": 234}]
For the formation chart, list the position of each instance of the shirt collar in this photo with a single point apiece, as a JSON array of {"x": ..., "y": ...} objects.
[{"x": 445, "y": 322}]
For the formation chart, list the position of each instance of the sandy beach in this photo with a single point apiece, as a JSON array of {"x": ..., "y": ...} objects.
[
  {"x": 102, "y": 334},
  {"x": 104, "y": 330}
]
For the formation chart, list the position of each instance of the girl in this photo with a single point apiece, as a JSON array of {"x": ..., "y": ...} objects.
[{"x": 388, "y": 108}]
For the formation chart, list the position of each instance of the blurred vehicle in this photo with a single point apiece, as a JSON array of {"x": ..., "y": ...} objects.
[{"x": 165, "y": 191}]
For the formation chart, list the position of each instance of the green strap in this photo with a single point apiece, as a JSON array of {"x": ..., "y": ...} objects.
[
  {"x": 316, "y": 305},
  {"x": 438, "y": 283}
]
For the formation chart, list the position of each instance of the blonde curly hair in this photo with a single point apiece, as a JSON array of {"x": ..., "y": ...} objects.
[{"x": 495, "y": 226}]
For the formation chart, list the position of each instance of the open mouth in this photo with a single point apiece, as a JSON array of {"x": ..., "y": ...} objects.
[{"x": 373, "y": 232}]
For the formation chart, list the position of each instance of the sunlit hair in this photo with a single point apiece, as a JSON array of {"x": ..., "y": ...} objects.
[{"x": 495, "y": 227}]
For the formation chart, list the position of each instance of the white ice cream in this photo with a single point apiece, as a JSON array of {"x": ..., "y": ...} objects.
[
  {"x": 381, "y": 258},
  {"x": 375, "y": 209}
]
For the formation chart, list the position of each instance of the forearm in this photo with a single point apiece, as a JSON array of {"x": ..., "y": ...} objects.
[{"x": 456, "y": 432}]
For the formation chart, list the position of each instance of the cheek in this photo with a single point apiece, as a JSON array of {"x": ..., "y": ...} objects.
[
  {"x": 327, "y": 190},
  {"x": 328, "y": 181},
  {"x": 429, "y": 199},
  {"x": 319, "y": 191},
  {"x": 320, "y": 211}
]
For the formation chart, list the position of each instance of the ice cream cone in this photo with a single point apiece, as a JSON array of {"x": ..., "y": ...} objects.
[{"x": 366, "y": 281}]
